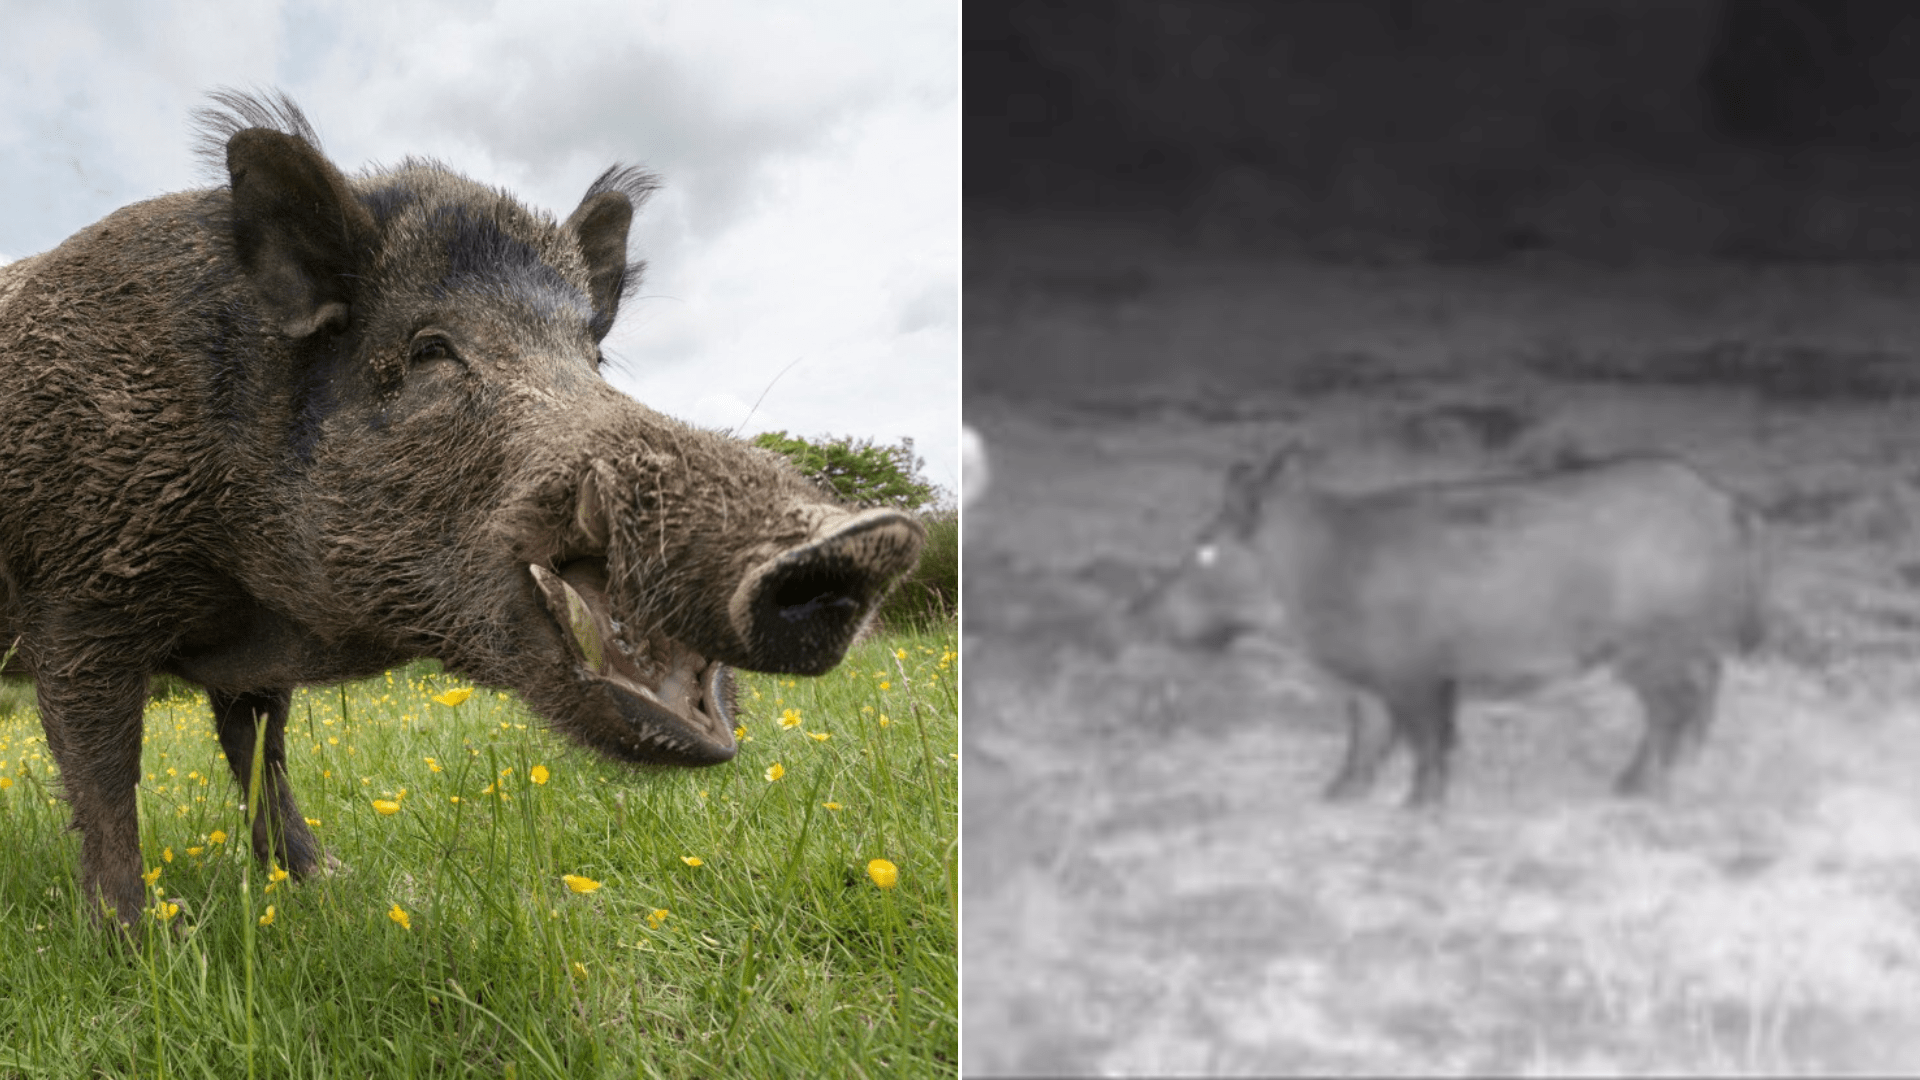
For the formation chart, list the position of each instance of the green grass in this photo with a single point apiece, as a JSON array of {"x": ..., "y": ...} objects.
[{"x": 778, "y": 954}]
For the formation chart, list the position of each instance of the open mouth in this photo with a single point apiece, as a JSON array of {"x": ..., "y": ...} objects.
[
  {"x": 677, "y": 705},
  {"x": 651, "y": 696}
]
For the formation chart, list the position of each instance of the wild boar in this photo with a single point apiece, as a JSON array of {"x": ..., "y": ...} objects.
[
  {"x": 1415, "y": 595},
  {"x": 304, "y": 426}
]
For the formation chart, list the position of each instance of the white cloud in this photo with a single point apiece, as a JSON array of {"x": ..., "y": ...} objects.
[{"x": 810, "y": 153}]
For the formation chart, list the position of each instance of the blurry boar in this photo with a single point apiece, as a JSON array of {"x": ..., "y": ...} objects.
[
  {"x": 305, "y": 426},
  {"x": 1415, "y": 595}
]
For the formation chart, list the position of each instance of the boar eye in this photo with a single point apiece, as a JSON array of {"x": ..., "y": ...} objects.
[
  {"x": 1207, "y": 555},
  {"x": 427, "y": 347}
]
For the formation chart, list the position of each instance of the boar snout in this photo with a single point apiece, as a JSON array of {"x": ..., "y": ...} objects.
[
  {"x": 798, "y": 611},
  {"x": 650, "y": 677}
]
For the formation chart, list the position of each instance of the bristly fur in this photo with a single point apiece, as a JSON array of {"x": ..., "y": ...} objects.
[
  {"x": 638, "y": 185},
  {"x": 271, "y": 109}
]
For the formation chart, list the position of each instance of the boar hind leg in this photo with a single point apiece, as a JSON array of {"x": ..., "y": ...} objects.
[
  {"x": 1371, "y": 737},
  {"x": 280, "y": 833},
  {"x": 1424, "y": 716},
  {"x": 93, "y": 727},
  {"x": 1705, "y": 683},
  {"x": 1677, "y": 696}
]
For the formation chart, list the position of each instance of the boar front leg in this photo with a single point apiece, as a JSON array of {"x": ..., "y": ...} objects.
[
  {"x": 93, "y": 726},
  {"x": 280, "y": 832}
]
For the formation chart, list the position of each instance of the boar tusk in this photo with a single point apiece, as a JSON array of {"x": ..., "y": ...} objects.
[
  {"x": 570, "y": 609},
  {"x": 590, "y": 509}
]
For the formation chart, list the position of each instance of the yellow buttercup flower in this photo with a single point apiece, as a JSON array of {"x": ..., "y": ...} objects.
[
  {"x": 164, "y": 910},
  {"x": 692, "y": 860},
  {"x": 455, "y": 696},
  {"x": 833, "y": 806},
  {"x": 790, "y": 718},
  {"x": 399, "y": 914},
  {"x": 217, "y": 836},
  {"x": 579, "y": 884},
  {"x": 656, "y": 917},
  {"x": 539, "y": 774},
  {"x": 884, "y": 874},
  {"x": 387, "y": 806},
  {"x": 266, "y": 919},
  {"x": 819, "y": 736},
  {"x": 775, "y": 772}
]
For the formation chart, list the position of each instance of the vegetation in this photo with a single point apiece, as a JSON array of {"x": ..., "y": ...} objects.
[
  {"x": 509, "y": 906},
  {"x": 860, "y": 471},
  {"x": 929, "y": 597},
  {"x": 871, "y": 475}
]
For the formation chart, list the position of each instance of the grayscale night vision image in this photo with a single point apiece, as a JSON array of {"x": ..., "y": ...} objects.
[{"x": 1441, "y": 538}]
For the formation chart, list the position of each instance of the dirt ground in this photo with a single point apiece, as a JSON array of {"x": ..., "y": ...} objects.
[{"x": 1151, "y": 882}]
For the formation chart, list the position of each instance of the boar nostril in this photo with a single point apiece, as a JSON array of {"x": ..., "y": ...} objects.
[
  {"x": 808, "y": 596},
  {"x": 797, "y": 612}
]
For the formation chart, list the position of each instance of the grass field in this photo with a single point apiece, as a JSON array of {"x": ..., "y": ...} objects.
[{"x": 509, "y": 905}]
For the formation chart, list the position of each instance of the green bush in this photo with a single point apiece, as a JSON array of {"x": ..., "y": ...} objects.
[
  {"x": 870, "y": 475},
  {"x": 858, "y": 470},
  {"x": 929, "y": 598}
]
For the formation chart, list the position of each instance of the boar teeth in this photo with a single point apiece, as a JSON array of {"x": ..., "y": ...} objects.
[
  {"x": 585, "y": 634},
  {"x": 590, "y": 508},
  {"x": 570, "y": 609}
]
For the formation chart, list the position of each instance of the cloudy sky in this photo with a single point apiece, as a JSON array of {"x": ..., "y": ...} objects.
[{"x": 810, "y": 150}]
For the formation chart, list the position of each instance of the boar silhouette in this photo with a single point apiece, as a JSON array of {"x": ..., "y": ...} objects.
[{"x": 1415, "y": 595}]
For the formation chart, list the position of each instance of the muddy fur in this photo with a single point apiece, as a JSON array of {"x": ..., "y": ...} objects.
[
  {"x": 303, "y": 427},
  {"x": 1416, "y": 596}
]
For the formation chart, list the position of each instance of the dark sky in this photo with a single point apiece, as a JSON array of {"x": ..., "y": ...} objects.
[{"x": 1746, "y": 115}]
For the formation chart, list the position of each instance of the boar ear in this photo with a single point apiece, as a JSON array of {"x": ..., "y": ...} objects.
[
  {"x": 600, "y": 225},
  {"x": 298, "y": 230},
  {"x": 1287, "y": 466},
  {"x": 1249, "y": 485}
]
